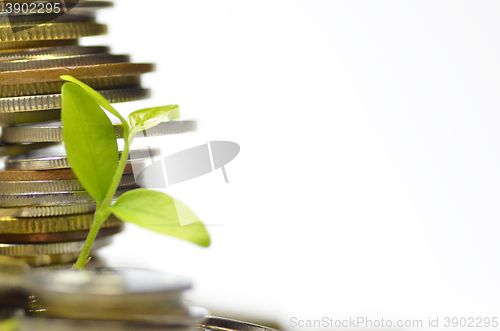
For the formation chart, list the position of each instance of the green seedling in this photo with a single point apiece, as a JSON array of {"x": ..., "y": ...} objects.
[{"x": 92, "y": 150}]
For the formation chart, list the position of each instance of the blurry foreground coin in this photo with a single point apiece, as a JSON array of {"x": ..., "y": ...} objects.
[{"x": 224, "y": 324}]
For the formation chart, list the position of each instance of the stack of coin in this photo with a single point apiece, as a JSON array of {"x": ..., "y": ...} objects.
[{"x": 45, "y": 213}]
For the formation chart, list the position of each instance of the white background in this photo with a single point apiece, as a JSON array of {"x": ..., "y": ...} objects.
[{"x": 368, "y": 180}]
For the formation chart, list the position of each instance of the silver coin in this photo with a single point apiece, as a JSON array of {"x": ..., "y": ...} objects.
[
  {"x": 52, "y": 248},
  {"x": 15, "y": 149},
  {"x": 53, "y": 101},
  {"x": 53, "y": 199},
  {"x": 48, "y": 211},
  {"x": 44, "y": 52},
  {"x": 124, "y": 294},
  {"x": 71, "y": 60},
  {"x": 39, "y": 160},
  {"x": 53, "y": 132},
  {"x": 50, "y": 186}
]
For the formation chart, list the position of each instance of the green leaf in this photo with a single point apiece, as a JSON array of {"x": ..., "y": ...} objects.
[
  {"x": 161, "y": 213},
  {"x": 98, "y": 98},
  {"x": 144, "y": 119},
  {"x": 90, "y": 141}
]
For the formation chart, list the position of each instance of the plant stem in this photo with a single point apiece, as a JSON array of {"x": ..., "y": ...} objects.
[
  {"x": 103, "y": 210},
  {"x": 99, "y": 218}
]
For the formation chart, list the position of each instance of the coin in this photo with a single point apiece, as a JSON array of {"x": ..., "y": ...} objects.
[
  {"x": 14, "y": 149},
  {"x": 53, "y": 101},
  {"x": 121, "y": 289},
  {"x": 81, "y": 72},
  {"x": 48, "y": 186},
  {"x": 18, "y": 19},
  {"x": 54, "y": 198},
  {"x": 21, "y": 45},
  {"x": 31, "y": 175},
  {"x": 217, "y": 324},
  {"x": 7, "y": 119},
  {"x": 103, "y": 83},
  {"x": 47, "y": 52},
  {"x": 47, "y": 211},
  {"x": 71, "y": 60},
  {"x": 53, "y": 132},
  {"x": 49, "y": 259},
  {"x": 50, "y": 248},
  {"x": 37, "y": 160},
  {"x": 95, "y": 263},
  {"x": 51, "y": 31},
  {"x": 54, "y": 224},
  {"x": 80, "y": 5},
  {"x": 19, "y": 238}
]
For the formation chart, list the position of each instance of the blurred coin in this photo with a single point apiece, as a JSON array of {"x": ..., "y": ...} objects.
[
  {"x": 51, "y": 248},
  {"x": 18, "y": 238},
  {"x": 103, "y": 83},
  {"x": 12, "y": 266},
  {"x": 116, "y": 294},
  {"x": 71, "y": 60},
  {"x": 96, "y": 262},
  {"x": 47, "y": 52},
  {"x": 60, "y": 324},
  {"x": 31, "y": 175},
  {"x": 40, "y": 160},
  {"x": 225, "y": 324},
  {"x": 15, "y": 149},
  {"x": 81, "y": 72},
  {"x": 47, "y": 211},
  {"x": 48, "y": 186},
  {"x": 53, "y": 132},
  {"x": 55, "y": 224},
  {"x": 53, "y": 101},
  {"x": 51, "y": 199},
  {"x": 50, "y": 259},
  {"x": 50, "y": 31}
]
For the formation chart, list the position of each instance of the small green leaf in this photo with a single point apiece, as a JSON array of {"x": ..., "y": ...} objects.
[
  {"x": 161, "y": 213},
  {"x": 90, "y": 141},
  {"x": 98, "y": 98},
  {"x": 144, "y": 119}
]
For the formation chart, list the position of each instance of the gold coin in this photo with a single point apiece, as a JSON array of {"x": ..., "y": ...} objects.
[
  {"x": 51, "y": 31},
  {"x": 9, "y": 119},
  {"x": 58, "y": 174},
  {"x": 7, "y": 47},
  {"x": 34, "y": 225},
  {"x": 103, "y": 83},
  {"x": 32, "y": 76}
]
